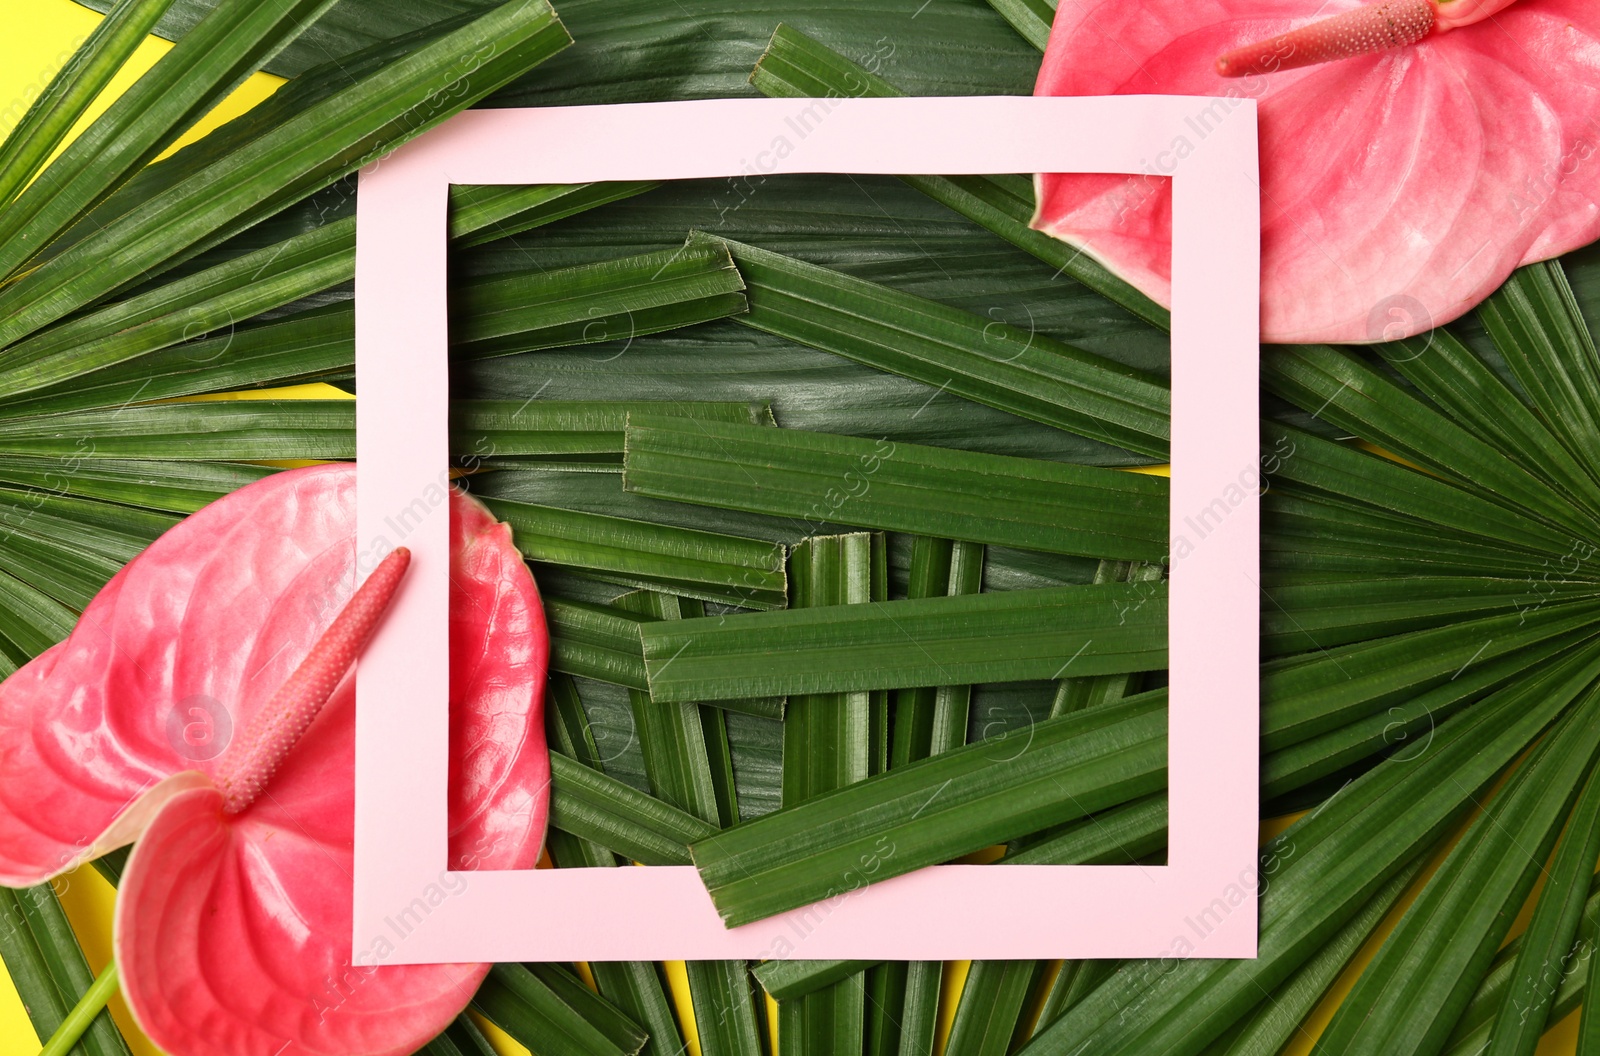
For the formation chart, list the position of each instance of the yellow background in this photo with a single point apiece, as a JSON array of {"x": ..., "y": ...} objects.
[{"x": 38, "y": 37}]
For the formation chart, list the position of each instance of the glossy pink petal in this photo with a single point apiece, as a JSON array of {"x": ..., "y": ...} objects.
[
  {"x": 1399, "y": 188},
  {"x": 233, "y": 929},
  {"x": 175, "y": 653},
  {"x": 233, "y": 934}
]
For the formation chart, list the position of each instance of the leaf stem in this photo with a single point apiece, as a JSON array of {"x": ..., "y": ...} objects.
[{"x": 90, "y": 1005}]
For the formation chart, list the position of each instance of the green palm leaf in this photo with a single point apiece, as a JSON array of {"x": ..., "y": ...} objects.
[
  {"x": 49, "y": 968},
  {"x": 70, "y": 92},
  {"x": 224, "y": 48},
  {"x": 546, "y": 1006},
  {"x": 794, "y": 65},
  {"x": 308, "y": 149},
  {"x": 1422, "y": 629},
  {"x": 985, "y": 360},
  {"x": 521, "y": 312}
]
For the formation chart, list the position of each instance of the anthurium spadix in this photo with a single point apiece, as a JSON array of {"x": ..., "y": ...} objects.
[
  {"x": 1413, "y": 152},
  {"x": 204, "y": 707}
]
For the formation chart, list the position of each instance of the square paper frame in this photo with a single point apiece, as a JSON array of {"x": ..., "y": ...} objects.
[{"x": 1200, "y": 904}]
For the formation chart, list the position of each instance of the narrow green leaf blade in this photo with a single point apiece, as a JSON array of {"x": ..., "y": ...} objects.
[
  {"x": 113, "y": 355},
  {"x": 523, "y": 1004},
  {"x": 43, "y": 918},
  {"x": 480, "y": 214},
  {"x": 175, "y": 487},
  {"x": 1339, "y": 388},
  {"x": 681, "y": 755},
  {"x": 489, "y": 430},
  {"x": 820, "y": 478},
  {"x": 614, "y": 300},
  {"x": 224, "y": 49},
  {"x": 1347, "y": 475},
  {"x": 725, "y": 1011},
  {"x": 1300, "y": 615},
  {"x": 1537, "y": 973},
  {"x": 703, "y": 565},
  {"x": 189, "y": 307},
  {"x": 1476, "y": 398},
  {"x": 787, "y": 979},
  {"x": 1278, "y": 1018},
  {"x": 827, "y": 745},
  {"x": 1536, "y": 323},
  {"x": 936, "y": 810},
  {"x": 307, "y": 150},
  {"x": 989, "y": 1013},
  {"x": 1001, "y": 637},
  {"x": 587, "y": 803},
  {"x": 1409, "y": 997},
  {"x": 984, "y": 360},
  {"x": 1030, "y": 18},
  {"x": 1310, "y": 694},
  {"x": 612, "y": 1023},
  {"x": 797, "y": 66},
  {"x": 1471, "y": 1033},
  {"x": 634, "y": 987},
  {"x": 1342, "y": 855},
  {"x": 70, "y": 92}
]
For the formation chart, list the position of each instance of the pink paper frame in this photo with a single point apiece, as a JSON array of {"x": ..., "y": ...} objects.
[{"x": 408, "y": 910}]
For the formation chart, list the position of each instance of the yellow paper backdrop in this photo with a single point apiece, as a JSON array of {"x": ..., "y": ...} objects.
[{"x": 38, "y": 37}]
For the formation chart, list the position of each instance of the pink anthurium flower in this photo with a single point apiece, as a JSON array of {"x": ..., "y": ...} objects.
[
  {"x": 203, "y": 706},
  {"x": 1413, "y": 152}
]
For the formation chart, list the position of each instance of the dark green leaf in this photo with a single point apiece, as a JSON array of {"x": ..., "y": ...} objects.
[
  {"x": 615, "y": 300},
  {"x": 1540, "y": 963},
  {"x": 64, "y": 100},
  {"x": 595, "y": 1010},
  {"x": 787, "y": 979},
  {"x": 871, "y": 227},
  {"x": 990, "y": 362},
  {"x": 990, "y": 1012},
  {"x": 523, "y": 1004},
  {"x": 725, "y": 1012},
  {"x": 1339, "y": 388},
  {"x": 587, "y": 803},
  {"x": 175, "y": 487},
  {"x": 1298, "y": 615},
  {"x": 1336, "y": 860},
  {"x": 487, "y": 430},
  {"x": 795, "y": 65},
  {"x": 1005, "y": 637},
  {"x": 1346, "y": 475},
  {"x": 602, "y": 642},
  {"x": 935, "y": 810},
  {"x": 180, "y": 338},
  {"x": 1408, "y": 999},
  {"x": 307, "y": 150},
  {"x": 721, "y": 568},
  {"x": 1277, "y": 1020},
  {"x": 1537, "y": 325},
  {"x": 1030, "y": 18},
  {"x": 827, "y": 745},
  {"x": 1476, "y": 398},
  {"x": 44, "y": 960},
  {"x": 178, "y": 90},
  {"x": 817, "y": 478}
]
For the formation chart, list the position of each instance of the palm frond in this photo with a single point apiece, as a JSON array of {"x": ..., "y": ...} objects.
[{"x": 1429, "y": 592}]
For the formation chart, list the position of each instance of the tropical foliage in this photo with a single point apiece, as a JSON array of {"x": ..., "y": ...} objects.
[{"x": 1432, "y": 519}]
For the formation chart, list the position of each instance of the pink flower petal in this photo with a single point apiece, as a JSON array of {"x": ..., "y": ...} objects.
[
  {"x": 186, "y": 642},
  {"x": 232, "y": 938},
  {"x": 233, "y": 930},
  {"x": 1398, "y": 189},
  {"x": 175, "y": 653},
  {"x": 499, "y": 652}
]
